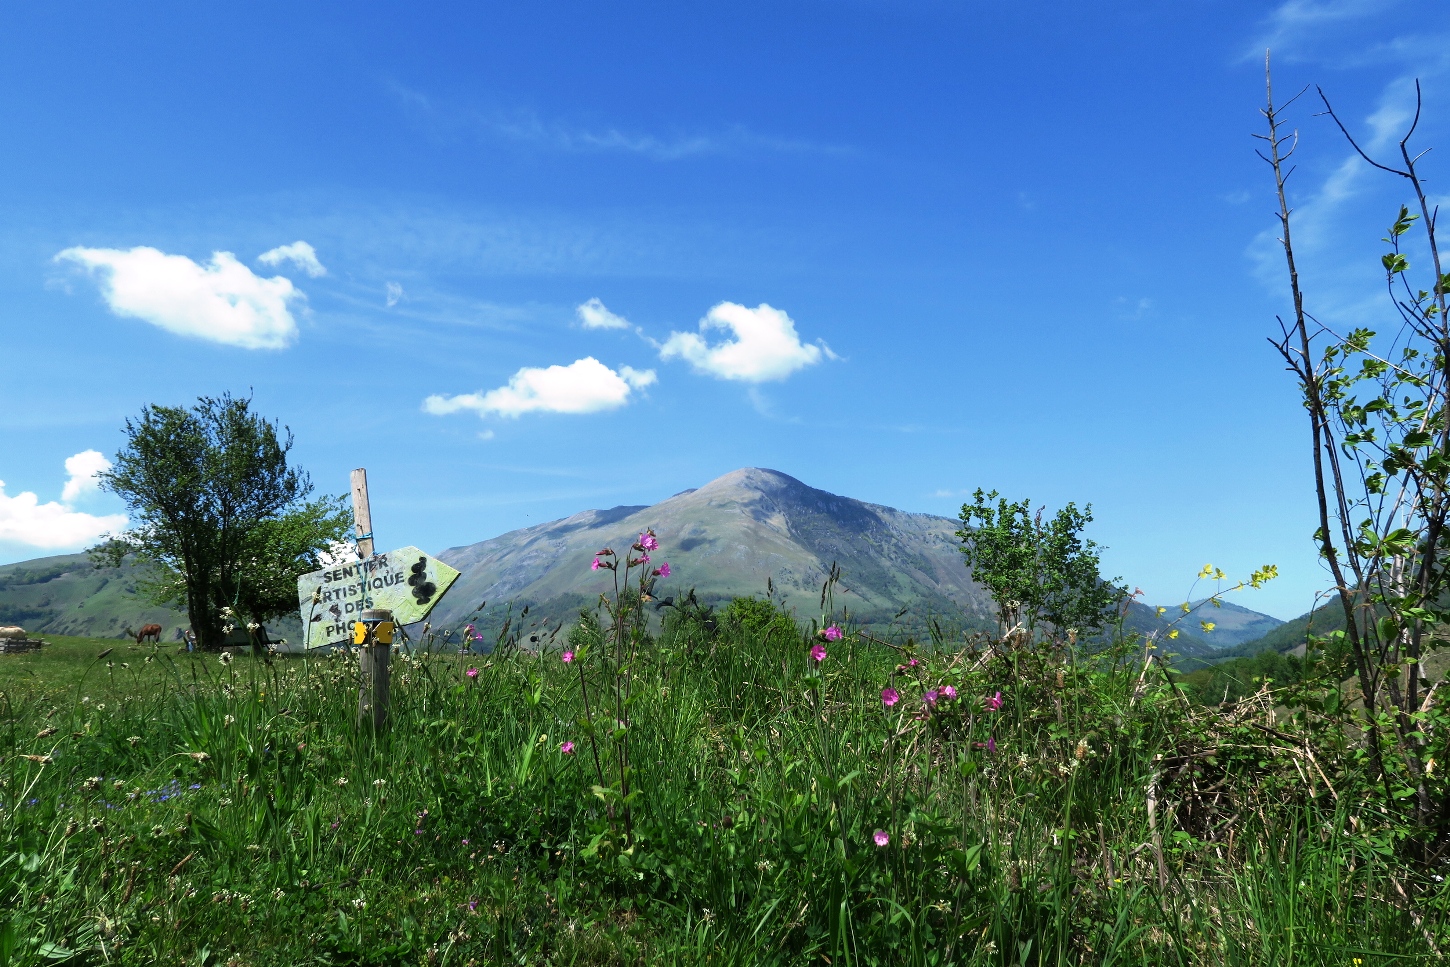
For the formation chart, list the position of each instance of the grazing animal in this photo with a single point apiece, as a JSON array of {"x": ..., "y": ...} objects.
[
  {"x": 149, "y": 633},
  {"x": 12, "y": 631}
]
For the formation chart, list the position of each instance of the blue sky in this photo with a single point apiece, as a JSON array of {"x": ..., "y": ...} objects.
[{"x": 936, "y": 246}]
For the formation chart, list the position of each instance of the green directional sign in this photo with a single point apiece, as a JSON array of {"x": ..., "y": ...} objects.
[{"x": 407, "y": 582}]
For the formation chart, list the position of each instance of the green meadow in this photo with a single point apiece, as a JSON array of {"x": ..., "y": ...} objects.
[{"x": 1011, "y": 806}]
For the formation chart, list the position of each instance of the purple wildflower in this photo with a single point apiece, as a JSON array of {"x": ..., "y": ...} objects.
[
  {"x": 832, "y": 633},
  {"x": 890, "y": 696},
  {"x": 881, "y": 836},
  {"x": 948, "y": 692},
  {"x": 567, "y": 748},
  {"x": 472, "y": 673},
  {"x": 567, "y": 657},
  {"x": 818, "y": 653},
  {"x": 648, "y": 541},
  {"x": 663, "y": 571}
]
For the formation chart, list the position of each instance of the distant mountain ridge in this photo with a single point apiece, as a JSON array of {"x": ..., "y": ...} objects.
[
  {"x": 725, "y": 540},
  {"x": 728, "y": 537},
  {"x": 735, "y": 536}
]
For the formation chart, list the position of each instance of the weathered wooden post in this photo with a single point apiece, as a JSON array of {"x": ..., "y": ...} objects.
[
  {"x": 362, "y": 517},
  {"x": 407, "y": 581},
  {"x": 374, "y": 637}
]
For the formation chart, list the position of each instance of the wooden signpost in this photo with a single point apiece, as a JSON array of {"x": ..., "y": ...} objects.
[{"x": 365, "y": 601}]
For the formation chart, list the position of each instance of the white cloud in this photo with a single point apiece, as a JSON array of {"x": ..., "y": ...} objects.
[
  {"x": 299, "y": 253},
  {"x": 222, "y": 300},
  {"x": 54, "y": 525},
  {"x": 584, "y": 386},
  {"x": 394, "y": 294},
  {"x": 83, "y": 468},
  {"x": 1294, "y": 23},
  {"x": 766, "y": 345},
  {"x": 595, "y": 316}
]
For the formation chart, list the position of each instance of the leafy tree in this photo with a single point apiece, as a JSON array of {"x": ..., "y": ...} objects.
[
  {"x": 218, "y": 513},
  {"x": 1041, "y": 573},
  {"x": 1378, "y": 406},
  {"x": 761, "y": 619}
]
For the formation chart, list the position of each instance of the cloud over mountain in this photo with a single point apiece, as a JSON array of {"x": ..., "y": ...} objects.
[
  {"x": 765, "y": 346},
  {"x": 52, "y": 525},
  {"x": 299, "y": 253},
  {"x": 594, "y": 315},
  {"x": 584, "y": 386},
  {"x": 221, "y": 301}
]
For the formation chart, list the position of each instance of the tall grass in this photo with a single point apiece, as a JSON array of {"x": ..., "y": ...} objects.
[{"x": 231, "y": 813}]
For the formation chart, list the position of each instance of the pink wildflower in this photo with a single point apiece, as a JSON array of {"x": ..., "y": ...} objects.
[
  {"x": 913, "y": 663},
  {"x": 596, "y": 565},
  {"x": 472, "y": 673},
  {"x": 648, "y": 541},
  {"x": 832, "y": 633},
  {"x": 991, "y": 743},
  {"x": 948, "y": 692},
  {"x": 818, "y": 652},
  {"x": 930, "y": 697},
  {"x": 663, "y": 571},
  {"x": 567, "y": 748},
  {"x": 994, "y": 703},
  {"x": 643, "y": 559},
  {"x": 881, "y": 836},
  {"x": 567, "y": 657},
  {"x": 890, "y": 696}
]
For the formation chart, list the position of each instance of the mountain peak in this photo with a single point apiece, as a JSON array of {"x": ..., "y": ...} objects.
[{"x": 729, "y": 538}]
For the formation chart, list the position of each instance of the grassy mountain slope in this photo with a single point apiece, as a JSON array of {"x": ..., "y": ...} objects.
[
  {"x": 67, "y": 595},
  {"x": 1291, "y": 634}
]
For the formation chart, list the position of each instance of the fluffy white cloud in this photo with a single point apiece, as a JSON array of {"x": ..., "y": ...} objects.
[
  {"x": 82, "y": 469},
  {"x": 584, "y": 386},
  {"x": 595, "y": 316},
  {"x": 299, "y": 253},
  {"x": 394, "y": 294},
  {"x": 766, "y": 345},
  {"x": 221, "y": 300},
  {"x": 53, "y": 526}
]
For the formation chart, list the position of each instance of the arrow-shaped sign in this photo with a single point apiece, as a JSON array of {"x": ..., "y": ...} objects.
[{"x": 407, "y": 582}]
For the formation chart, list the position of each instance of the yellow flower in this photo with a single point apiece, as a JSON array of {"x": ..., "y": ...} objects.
[
  {"x": 1173, "y": 633},
  {"x": 1185, "y": 607},
  {"x": 1161, "y": 612},
  {"x": 1207, "y": 570},
  {"x": 1208, "y": 625}
]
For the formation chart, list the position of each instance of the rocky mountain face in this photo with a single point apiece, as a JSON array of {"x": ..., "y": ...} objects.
[
  {"x": 755, "y": 528},
  {"x": 727, "y": 539}
]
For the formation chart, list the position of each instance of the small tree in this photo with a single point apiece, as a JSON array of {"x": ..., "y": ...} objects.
[
  {"x": 1042, "y": 574},
  {"x": 217, "y": 512},
  {"x": 1378, "y": 403}
]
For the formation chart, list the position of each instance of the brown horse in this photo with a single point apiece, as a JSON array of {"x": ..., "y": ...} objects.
[{"x": 149, "y": 633}]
